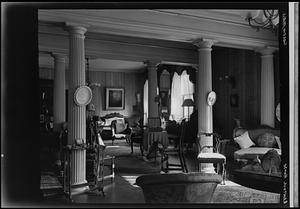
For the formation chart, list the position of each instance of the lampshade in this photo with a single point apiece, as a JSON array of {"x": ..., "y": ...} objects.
[{"x": 188, "y": 103}]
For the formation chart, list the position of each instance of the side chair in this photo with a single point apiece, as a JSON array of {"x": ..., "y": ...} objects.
[
  {"x": 175, "y": 151},
  {"x": 213, "y": 157}
]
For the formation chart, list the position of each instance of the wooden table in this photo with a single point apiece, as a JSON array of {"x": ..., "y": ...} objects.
[{"x": 153, "y": 139}]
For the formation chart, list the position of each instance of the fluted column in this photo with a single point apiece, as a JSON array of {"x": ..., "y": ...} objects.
[
  {"x": 204, "y": 86},
  {"x": 76, "y": 114},
  {"x": 152, "y": 88},
  {"x": 267, "y": 88},
  {"x": 59, "y": 101}
]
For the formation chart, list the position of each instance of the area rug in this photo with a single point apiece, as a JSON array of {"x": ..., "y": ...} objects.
[
  {"x": 241, "y": 194},
  {"x": 127, "y": 162},
  {"x": 50, "y": 185}
]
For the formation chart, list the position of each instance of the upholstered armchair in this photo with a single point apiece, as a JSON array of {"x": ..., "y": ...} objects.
[
  {"x": 120, "y": 130},
  {"x": 179, "y": 187}
]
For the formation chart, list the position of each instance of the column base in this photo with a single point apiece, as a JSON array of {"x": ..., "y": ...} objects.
[
  {"x": 79, "y": 188},
  {"x": 207, "y": 168}
]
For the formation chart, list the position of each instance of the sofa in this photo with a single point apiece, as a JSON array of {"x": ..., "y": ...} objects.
[{"x": 258, "y": 149}]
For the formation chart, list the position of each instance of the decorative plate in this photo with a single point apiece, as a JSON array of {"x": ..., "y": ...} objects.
[
  {"x": 83, "y": 95},
  {"x": 211, "y": 98}
]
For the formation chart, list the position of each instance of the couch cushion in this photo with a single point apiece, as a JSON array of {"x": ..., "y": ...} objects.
[
  {"x": 244, "y": 140},
  {"x": 266, "y": 140},
  {"x": 109, "y": 120},
  {"x": 120, "y": 127},
  {"x": 252, "y": 153}
]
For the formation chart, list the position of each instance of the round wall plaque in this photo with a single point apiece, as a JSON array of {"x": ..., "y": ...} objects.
[
  {"x": 83, "y": 95},
  {"x": 211, "y": 98}
]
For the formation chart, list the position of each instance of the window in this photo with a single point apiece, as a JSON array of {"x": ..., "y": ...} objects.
[{"x": 182, "y": 88}]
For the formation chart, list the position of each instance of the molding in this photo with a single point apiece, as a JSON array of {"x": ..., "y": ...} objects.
[
  {"x": 119, "y": 51},
  {"x": 148, "y": 24}
]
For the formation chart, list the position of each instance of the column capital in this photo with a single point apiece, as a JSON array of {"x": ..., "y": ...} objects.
[
  {"x": 58, "y": 57},
  {"x": 152, "y": 63},
  {"x": 204, "y": 43},
  {"x": 76, "y": 28},
  {"x": 266, "y": 50}
]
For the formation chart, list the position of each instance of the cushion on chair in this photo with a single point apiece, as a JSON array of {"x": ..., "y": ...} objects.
[
  {"x": 266, "y": 140},
  {"x": 244, "y": 140},
  {"x": 210, "y": 157},
  {"x": 120, "y": 127}
]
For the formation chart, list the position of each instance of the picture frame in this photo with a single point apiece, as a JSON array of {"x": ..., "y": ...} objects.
[
  {"x": 164, "y": 96},
  {"x": 115, "y": 99}
]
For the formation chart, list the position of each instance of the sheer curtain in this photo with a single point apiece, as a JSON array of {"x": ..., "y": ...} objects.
[
  {"x": 146, "y": 102},
  {"x": 182, "y": 88}
]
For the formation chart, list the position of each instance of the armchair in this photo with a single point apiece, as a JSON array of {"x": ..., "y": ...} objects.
[
  {"x": 120, "y": 130},
  {"x": 178, "y": 187}
]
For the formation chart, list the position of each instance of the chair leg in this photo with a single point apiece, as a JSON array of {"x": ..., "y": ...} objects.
[
  {"x": 184, "y": 164},
  {"x": 181, "y": 161},
  {"x": 223, "y": 174},
  {"x": 113, "y": 168},
  {"x": 142, "y": 149},
  {"x": 131, "y": 144}
]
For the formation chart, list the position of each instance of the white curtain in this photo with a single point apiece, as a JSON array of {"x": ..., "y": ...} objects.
[
  {"x": 146, "y": 102},
  {"x": 182, "y": 88}
]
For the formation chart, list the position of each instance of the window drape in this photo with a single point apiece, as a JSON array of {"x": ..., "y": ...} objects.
[
  {"x": 145, "y": 102},
  {"x": 182, "y": 88}
]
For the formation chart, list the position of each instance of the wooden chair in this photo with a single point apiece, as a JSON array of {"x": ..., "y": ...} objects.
[
  {"x": 137, "y": 136},
  {"x": 154, "y": 125},
  {"x": 120, "y": 131},
  {"x": 176, "y": 151},
  {"x": 101, "y": 160},
  {"x": 213, "y": 157}
]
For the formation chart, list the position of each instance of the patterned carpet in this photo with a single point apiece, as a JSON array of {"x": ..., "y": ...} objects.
[
  {"x": 132, "y": 165},
  {"x": 229, "y": 193},
  {"x": 50, "y": 185},
  {"x": 240, "y": 194}
]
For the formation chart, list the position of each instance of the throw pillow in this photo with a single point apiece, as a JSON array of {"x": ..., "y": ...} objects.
[
  {"x": 277, "y": 138},
  {"x": 120, "y": 127},
  {"x": 244, "y": 140},
  {"x": 266, "y": 140}
]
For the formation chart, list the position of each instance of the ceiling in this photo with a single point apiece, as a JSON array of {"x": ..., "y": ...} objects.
[{"x": 157, "y": 27}]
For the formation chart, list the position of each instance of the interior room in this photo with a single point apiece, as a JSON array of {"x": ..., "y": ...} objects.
[{"x": 150, "y": 105}]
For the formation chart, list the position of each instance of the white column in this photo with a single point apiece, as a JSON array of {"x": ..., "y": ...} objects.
[
  {"x": 204, "y": 86},
  {"x": 152, "y": 88},
  {"x": 77, "y": 114},
  {"x": 59, "y": 101},
  {"x": 267, "y": 88}
]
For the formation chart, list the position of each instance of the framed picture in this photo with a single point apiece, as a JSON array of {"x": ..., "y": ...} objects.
[
  {"x": 164, "y": 98},
  {"x": 115, "y": 99}
]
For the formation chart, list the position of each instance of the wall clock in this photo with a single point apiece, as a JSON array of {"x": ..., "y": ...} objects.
[
  {"x": 83, "y": 95},
  {"x": 211, "y": 98}
]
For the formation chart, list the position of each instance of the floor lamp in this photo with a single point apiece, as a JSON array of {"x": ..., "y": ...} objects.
[{"x": 188, "y": 103}]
